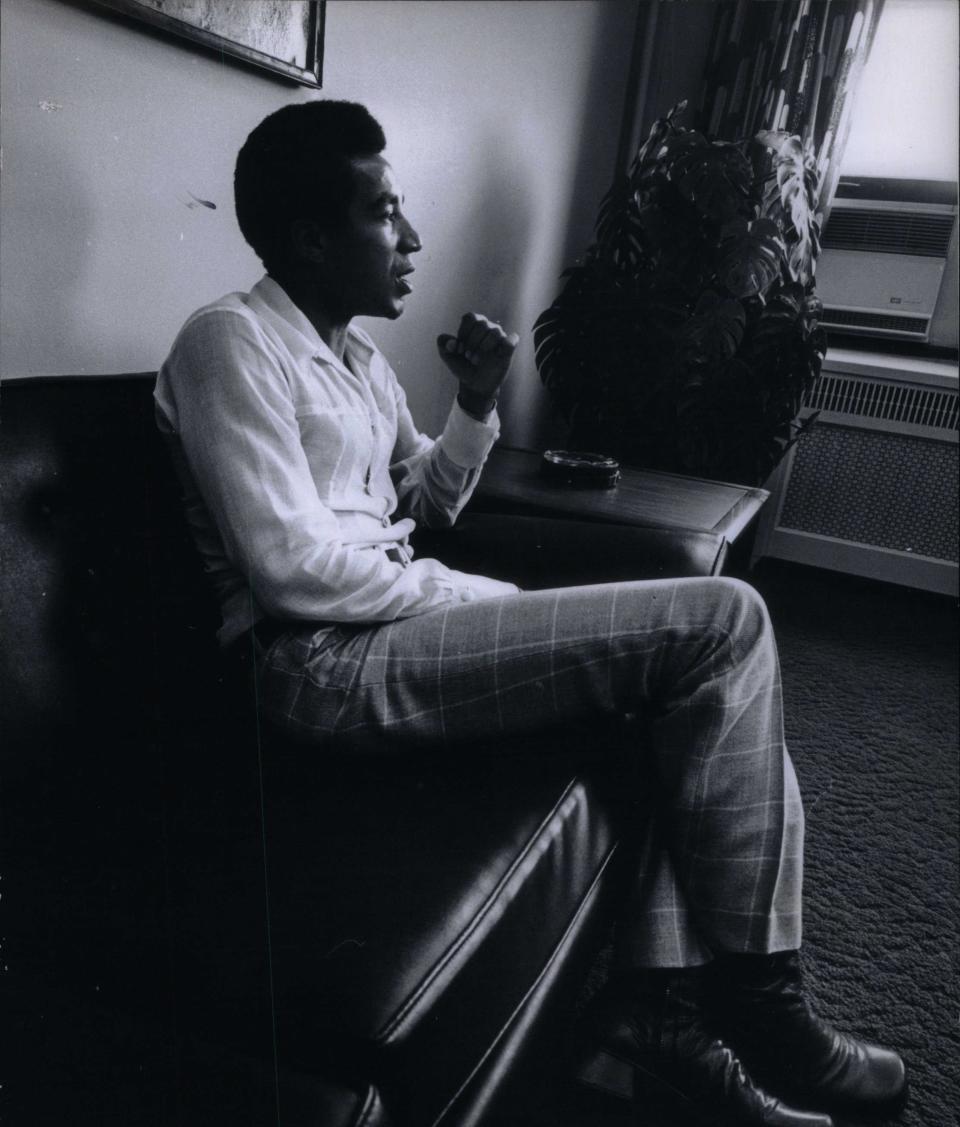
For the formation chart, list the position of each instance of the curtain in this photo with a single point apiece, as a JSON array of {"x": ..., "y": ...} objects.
[{"x": 792, "y": 65}]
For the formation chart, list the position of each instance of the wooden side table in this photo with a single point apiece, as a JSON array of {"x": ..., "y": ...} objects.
[{"x": 511, "y": 479}]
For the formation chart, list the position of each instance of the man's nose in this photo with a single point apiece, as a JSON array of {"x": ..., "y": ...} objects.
[{"x": 409, "y": 239}]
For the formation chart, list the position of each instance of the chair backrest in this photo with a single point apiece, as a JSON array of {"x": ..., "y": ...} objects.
[
  {"x": 105, "y": 611},
  {"x": 121, "y": 772}
]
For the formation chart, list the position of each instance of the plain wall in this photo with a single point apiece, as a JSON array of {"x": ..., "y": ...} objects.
[{"x": 502, "y": 119}]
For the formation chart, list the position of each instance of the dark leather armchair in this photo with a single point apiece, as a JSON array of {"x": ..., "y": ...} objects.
[{"x": 282, "y": 934}]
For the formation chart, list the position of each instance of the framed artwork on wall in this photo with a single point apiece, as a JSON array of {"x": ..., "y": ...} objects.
[{"x": 283, "y": 36}]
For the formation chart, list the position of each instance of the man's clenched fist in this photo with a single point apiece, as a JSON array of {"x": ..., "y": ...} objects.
[{"x": 479, "y": 357}]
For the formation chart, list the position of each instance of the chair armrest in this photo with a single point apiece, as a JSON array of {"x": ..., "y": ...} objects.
[
  {"x": 220, "y": 1087},
  {"x": 541, "y": 552}
]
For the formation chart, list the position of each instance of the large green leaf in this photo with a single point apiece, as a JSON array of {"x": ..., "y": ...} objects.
[
  {"x": 713, "y": 334},
  {"x": 791, "y": 201},
  {"x": 716, "y": 177},
  {"x": 679, "y": 255},
  {"x": 601, "y": 326},
  {"x": 752, "y": 255},
  {"x": 648, "y": 154},
  {"x": 619, "y": 232}
]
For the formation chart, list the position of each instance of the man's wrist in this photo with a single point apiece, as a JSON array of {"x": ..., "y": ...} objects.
[{"x": 475, "y": 403}]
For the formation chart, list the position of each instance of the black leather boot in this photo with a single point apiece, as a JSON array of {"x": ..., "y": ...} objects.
[
  {"x": 647, "y": 1040},
  {"x": 759, "y": 1004}
]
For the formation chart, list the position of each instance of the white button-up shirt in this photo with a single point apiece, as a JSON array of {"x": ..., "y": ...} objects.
[{"x": 303, "y": 477}]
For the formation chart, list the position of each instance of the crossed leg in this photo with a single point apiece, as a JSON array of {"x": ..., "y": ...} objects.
[{"x": 694, "y": 658}]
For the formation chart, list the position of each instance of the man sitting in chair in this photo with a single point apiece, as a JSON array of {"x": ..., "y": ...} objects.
[{"x": 304, "y": 478}]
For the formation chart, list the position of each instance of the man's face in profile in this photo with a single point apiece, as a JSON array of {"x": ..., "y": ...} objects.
[{"x": 365, "y": 262}]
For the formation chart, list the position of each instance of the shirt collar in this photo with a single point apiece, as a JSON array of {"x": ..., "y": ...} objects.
[{"x": 270, "y": 300}]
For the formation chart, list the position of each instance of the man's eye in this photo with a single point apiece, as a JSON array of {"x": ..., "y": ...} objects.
[{"x": 390, "y": 213}]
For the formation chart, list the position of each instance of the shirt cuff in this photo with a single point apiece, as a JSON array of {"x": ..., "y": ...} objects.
[{"x": 467, "y": 441}]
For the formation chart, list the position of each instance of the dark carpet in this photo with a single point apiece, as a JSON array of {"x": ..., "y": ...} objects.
[
  {"x": 870, "y": 687},
  {"x": 871, "y": 717}
]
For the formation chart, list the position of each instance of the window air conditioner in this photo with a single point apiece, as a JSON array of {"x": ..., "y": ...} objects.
[{"x": 883, "y": 254}]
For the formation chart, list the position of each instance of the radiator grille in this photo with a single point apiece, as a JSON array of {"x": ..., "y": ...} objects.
[
  {"x": 889, "y": 232},
  {"x": 888, "y": 490},
  {"x": 894, "y": 402},
  {"x": 855, "y": 319}
]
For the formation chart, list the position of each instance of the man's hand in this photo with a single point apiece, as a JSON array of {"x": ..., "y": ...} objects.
[
  {"x": 477, "y": 587},
  {"x": 479, "y": 357}
]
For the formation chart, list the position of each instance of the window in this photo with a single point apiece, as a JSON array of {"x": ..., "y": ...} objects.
[{"x": 905, "y": 121}]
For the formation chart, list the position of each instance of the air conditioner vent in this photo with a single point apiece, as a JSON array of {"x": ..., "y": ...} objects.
[
  {"x": 859, "y": 320},
  {"x": 894, "y": 402},
  {"x": 888, "y": 232},
  {"x": 872, "y": 489}
]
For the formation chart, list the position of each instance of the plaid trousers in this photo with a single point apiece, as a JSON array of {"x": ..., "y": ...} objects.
[{"x": 694, "y": 658}]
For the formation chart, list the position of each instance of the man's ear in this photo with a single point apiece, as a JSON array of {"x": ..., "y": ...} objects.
[{"x": 308, "y": 241}]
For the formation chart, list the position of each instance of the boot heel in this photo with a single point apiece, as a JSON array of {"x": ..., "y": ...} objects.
[{"x": 606, "y": 1073}]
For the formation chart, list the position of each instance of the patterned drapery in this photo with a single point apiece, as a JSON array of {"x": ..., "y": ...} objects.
[{"x": 792, "y": 65}]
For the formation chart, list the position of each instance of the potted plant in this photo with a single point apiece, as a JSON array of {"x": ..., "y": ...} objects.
[{"x": 686, "y": 337}]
